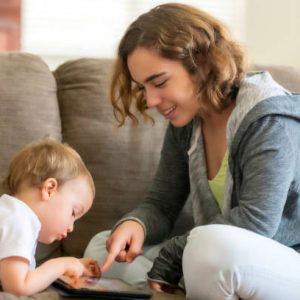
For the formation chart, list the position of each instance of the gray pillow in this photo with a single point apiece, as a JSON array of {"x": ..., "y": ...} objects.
[{"x": 28, "y": 110}]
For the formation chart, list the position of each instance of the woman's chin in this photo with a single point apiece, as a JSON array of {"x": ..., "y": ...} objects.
[{"x": 179, "y": 122}]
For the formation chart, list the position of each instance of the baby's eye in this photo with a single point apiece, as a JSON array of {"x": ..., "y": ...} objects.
[{"x": 73, "y": 214}]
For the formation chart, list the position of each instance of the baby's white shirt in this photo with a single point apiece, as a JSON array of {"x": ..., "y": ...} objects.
[{"x": 19, "y": 229}]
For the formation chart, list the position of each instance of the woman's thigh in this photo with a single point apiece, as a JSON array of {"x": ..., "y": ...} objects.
[
  {"x": 134, "y": 272},
  {"x": 226, "y": 262}
]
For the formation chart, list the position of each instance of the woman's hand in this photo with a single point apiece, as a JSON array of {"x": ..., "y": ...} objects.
[
  {"x": 166, "y": 270},
  {"x": 162, "y": 287},
  {"x": 124, "y": 244}
]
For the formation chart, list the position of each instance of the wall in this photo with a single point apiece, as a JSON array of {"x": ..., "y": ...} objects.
[
  {"x": 59, "y": 30},
  {"x": 268, "y": 28},
  {"x": 272, "y": 31}
]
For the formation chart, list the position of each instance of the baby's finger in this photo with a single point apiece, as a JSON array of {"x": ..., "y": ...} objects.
[
  {"x": 97, "y": 270},
  {"x": 94, "y": 269}
]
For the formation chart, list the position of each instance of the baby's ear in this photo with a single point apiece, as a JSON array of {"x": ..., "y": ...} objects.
[{"x": 49, "y": 186}]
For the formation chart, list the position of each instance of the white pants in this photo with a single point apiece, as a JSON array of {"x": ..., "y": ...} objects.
[
  {"x": 220, "y": 262},
  {"x": 225, "y": 262}
]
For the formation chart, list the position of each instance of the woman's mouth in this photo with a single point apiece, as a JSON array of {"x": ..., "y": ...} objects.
[{"x": 169, "y": 113}]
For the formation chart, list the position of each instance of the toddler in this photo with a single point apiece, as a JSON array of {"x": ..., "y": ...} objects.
[{"x": 48, "y": 188}]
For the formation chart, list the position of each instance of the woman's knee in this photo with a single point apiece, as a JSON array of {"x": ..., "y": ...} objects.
[
  {"x": 207, "y": 255},
  {"x": 205, "y": 249},
  {"x": 213, "y": 242}
]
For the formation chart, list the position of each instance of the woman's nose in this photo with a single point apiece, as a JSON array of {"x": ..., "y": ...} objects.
[{"x": 152, "y": 99}]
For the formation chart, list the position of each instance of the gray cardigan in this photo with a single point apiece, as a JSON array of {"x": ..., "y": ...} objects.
[{"x": 262, "y": 191}]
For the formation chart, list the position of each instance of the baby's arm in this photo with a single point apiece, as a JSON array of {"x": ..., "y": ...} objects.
[{"x": 18, "y": 279}]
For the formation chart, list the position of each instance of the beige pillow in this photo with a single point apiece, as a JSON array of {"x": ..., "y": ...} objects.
[{"x": 288, "y": 77}]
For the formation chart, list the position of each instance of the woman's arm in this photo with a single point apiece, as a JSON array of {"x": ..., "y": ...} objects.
[
  {"x": 18, "y": 279},
  {"x": 170, "y": 187}
]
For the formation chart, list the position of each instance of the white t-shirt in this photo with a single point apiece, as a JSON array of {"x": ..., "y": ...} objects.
[{"x": 19, "y": 229}]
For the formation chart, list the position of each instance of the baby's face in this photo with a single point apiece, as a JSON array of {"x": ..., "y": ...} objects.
[{"x": 67, "y": 204}]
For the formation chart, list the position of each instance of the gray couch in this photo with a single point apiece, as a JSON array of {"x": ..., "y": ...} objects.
[{"x": 72, "y": 104}]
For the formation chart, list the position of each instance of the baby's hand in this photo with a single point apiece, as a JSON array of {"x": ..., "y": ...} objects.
[
  {"x": 92, "y": 268},
  {"x": 75, "y": 267}
]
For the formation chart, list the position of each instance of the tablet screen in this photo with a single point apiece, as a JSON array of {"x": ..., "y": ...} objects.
[
  {"x": 103, "y": 287},
  {"x": 102, "y": 284}
]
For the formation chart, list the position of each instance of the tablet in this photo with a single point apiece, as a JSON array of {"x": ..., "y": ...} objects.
[{"x": 100, "y": 288}]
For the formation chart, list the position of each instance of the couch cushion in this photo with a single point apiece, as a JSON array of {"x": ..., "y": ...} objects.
[
  {"x": 29, "y": 109},
  {"x": 288, "y": 77},
  {"x": 121, "y": 160}
]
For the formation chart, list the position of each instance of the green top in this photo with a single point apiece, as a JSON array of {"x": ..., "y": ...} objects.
[{"x": 217, "y": 184}]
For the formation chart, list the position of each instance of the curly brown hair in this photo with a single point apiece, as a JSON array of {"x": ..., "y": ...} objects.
[{"x": 186, "y": 34}]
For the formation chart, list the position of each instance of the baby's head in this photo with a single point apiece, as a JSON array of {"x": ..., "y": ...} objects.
[{"x": 51, "y": 178}]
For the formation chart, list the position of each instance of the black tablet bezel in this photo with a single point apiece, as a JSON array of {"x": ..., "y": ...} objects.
[{"x": 133, "y": 293}]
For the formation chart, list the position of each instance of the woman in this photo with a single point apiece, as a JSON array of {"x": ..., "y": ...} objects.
[{"x": 231, "y": 144}]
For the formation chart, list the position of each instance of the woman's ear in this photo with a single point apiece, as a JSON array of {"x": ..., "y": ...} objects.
[{"x": 49, "y": 186}]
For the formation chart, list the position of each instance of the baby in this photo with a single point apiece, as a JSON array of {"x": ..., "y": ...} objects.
[{"x": 48, "y": 188}]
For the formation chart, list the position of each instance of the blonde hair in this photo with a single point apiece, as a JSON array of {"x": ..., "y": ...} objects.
[
  {"x": 186, "y": 34},
  {"x": 43, "y": 159}
]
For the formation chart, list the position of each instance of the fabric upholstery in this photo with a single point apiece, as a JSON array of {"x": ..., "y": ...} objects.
[
  {"x": 48, "y": 295},
  {"x": 29, "y": 108},
  {"x": 288, "y": 77}
]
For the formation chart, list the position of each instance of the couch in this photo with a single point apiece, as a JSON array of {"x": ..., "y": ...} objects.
[{"x": 71, "y": 104}]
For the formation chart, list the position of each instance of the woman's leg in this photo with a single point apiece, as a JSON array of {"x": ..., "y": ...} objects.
[
  {"x": 226, "y": 262},
  {"x": 135, "y": 272}
]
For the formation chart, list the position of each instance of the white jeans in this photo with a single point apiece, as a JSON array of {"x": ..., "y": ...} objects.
[
  {"x": 220, "y": 262},
  {"x": 225, "y": 262}
]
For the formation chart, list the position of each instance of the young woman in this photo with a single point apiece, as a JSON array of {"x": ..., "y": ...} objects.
[{"x": 231, "y": 144}]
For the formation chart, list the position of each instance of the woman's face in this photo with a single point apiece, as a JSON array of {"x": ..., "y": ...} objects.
[{"x": 166, "y": 84}]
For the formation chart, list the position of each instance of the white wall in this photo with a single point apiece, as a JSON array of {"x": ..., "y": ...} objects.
[
  {"x": 273, "y": 31},
  {"x": 59, "y": 30},
  {"x": 65, "y": 29}
]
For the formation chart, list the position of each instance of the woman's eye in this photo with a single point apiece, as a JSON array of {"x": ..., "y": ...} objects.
[
  {"x": 140, "y": 88},
  {"x": 160, "y": 84}
]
